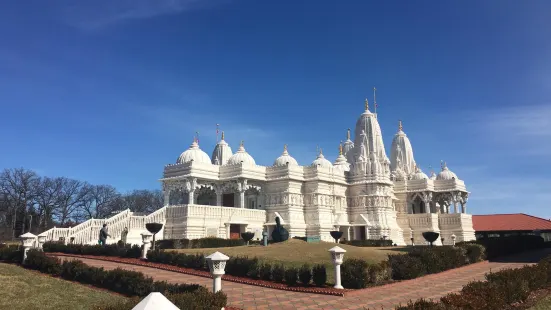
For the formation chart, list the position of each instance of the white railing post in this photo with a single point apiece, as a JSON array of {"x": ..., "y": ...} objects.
[
  {"x": 146, "y": 240},
  {"x": 217, "y": 264},
  {"x": 337, "y": 254}
]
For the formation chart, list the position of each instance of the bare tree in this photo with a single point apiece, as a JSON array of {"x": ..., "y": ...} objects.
[
  {"x": 71, "y": 198},
  {"x": 19, "y": 189},
  {"x": 143, "y": 201},
  {"x": 47, "y": 199},
  {"x": 99, "y": 201}
]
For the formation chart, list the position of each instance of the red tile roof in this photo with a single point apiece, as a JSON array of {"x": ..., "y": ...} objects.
[{"x": 506, "y": 222}]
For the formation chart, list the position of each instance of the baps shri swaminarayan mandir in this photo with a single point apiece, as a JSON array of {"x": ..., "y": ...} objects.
[{"x": 363, "y": 193}]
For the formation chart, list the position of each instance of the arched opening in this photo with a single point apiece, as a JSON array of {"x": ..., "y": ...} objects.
[{"x": 205, "y": 196}]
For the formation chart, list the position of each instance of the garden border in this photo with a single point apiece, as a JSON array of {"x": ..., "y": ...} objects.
[{"x": 205, "y": 274}]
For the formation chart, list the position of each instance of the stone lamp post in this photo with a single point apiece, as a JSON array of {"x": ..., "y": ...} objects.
[
  {"x": 453, "y": 239},
  {"x": 337, "y": 254},
  {"x": 217, "y": 264},
  {"x": 146, "y": 240},
  {"x": 27, "y": 241},
  {"x": 41, "y": 240},
  {"x": 411, "y": 238}
]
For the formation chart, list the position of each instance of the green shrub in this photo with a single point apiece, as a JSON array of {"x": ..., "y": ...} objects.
[
  {"x": 305, "y": 274},
  {"x": 319, "y": 275},
  {"x": 266, "y": 272},
  {"x": 379, "y": 273},
  {"x": 240, "y": 266},
  {"x": 199, "y": 300},
  {"x": 475, "y": 252},
  {"x": 11, "y": 254},
  {"x": 502, "y": 246},
  {"x": 291, "y": 276},
  {"x": 127, "y": 250},
  {"x": 477, "y": 296},
  {"x": 38, "y": 261},
  {"x": 369, "y": 243},
  {"x": 406, "y": 267},
  {"x": 278, "y": 273},
  {"x": 421, "y": 304},
  {"x": 354, "y": 273},
  {"x": 438, "y": 259}
]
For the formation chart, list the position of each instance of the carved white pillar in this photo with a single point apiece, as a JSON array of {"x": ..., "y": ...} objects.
[
  {"x": 427, "y": 198},
  {"x": 219, "y": 192},
  {"x": 227, "y": 230},
  {"x": 166, "y": 197},
  {"x": 191, "y": 197},
  {"x": 242, "y": 199},
  {"x": 464, "y": 207}
]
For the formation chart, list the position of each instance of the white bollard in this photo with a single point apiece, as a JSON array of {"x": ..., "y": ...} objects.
[
  {"x": 337, "y": 254},
  {"x": 27, "y": 241},
  {"x": 217, "y": 264},
  {"x": 41, "y": 240},
  {"x": 453, "y": 239},
  {"x": 146, "y": 240}
]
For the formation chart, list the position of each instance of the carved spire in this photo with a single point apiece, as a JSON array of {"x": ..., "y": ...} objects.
[
  {"x": 348, "y": 134},
  {"x": 222, "y": 135},
  {"x": 242, "y": 143},
  {"x": 400, "y": 127},
  {"x": 285, "y": 147},
  {"x": 340, "y": 148},
  {"x": 366, "y": 105}
]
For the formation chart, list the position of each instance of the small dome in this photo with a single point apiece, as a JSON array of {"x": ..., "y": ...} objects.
[
  {"x": 321, "y": 161},
  {"x": 285, "y": 159},
  {"x": 241, "y": 156},
  {"x": 446, "y": 174},
  {"x": 418, "y": 175},
  {"x": 432, "y": 175},
  {"x": 222, "y": 152},
  {"x": 341, "y": 162},
  {"x": 195, "y": 154}
]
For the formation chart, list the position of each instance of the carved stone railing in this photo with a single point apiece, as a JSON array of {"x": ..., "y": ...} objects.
[{"x": 216, "y": 212}]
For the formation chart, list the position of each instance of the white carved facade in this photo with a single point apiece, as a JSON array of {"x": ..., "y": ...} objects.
[{"x": 363, "y": 193}]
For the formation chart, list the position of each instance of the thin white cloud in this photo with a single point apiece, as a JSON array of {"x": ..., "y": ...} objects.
[
  {"x": 522, "y": 130},
  {"x": 93, "y": 15}
]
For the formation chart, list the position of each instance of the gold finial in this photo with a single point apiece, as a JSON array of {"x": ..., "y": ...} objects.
[
  {"x": 400, "y": 127},
  {"x": 366, "y": 105},
  {"x": 222, "y": 135},
  {"x": 348, "y": 134},
  {"x": 340, "y": 148}
]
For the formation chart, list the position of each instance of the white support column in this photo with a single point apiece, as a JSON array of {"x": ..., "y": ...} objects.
[
  {"x": 227, "y": 230},
  {"x": 191, "y": 197},
  {"x": 166, "y": 198},
  {"x": 219, "y": 194},
  {"x": 242, "y": 199}
]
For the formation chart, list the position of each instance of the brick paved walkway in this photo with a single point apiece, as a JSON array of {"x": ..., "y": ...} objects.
[{"x": 381, "y": 297}]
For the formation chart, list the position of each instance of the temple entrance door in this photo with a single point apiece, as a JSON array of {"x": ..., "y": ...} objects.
[
  {"x": 228, "y": 200},
  {"x": 235, "y": 231},
  {"x": 362, "y": 233}
]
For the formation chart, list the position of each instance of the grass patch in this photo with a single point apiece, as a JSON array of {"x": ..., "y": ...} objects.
[
  {"x": 297, "y": 252},
  {"x": 542, "y": 304},
  {"x": 23, "y": 289}
]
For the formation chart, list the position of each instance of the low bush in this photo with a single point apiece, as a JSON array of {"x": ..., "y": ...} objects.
[
  {"x": 209, "y": 242},
  {"x": 369, "y": 243},
  {"x": 278, "y": 273},
  {"x": 127, "y": 250},
  {"x": 291, "y": 276},
  {"x": 421, "y": 304},
  {"x": 502, "y": 288},
  {"x": 438, "y": 259},
  {"x": 406, "y": 267},
  {"x": 475, "y": 252},
  {"x": 11, "y": 254},
  {"x": 354, "y": 273},
  {"x": 305, "y": 274},
  {"x": 319, "y": 275},
  {"x": 266, "y": 272}
]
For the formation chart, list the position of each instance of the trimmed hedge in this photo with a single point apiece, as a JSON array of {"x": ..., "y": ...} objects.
[
  {"x": 209, "y": 242},
  {"x": 319, "y": 275},
  {"x": 126, "y": 251},
  {"x": 129, "y": 283},
  {"x": 501, "y": 289},
  {"x": 368, "y": 243},
  {"x": 358, "y": 273}
]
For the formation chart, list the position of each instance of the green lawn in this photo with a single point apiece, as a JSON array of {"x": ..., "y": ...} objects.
[
  {"x": 23, "y": 289},
  {"x": 297, "y": 252}
]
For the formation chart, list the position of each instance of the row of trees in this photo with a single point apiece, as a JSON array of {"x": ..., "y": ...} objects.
[{"x": 29, "y": 202}]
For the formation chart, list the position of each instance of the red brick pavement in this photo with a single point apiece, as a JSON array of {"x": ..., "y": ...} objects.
[{"x": 381, "y": 297}]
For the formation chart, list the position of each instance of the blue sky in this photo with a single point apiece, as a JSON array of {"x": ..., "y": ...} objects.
[{"x": 111, "y": 91}]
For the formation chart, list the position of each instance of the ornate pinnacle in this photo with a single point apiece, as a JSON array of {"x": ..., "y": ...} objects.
[
  {"x": 400, "y": 127},
  {"x": 366, "y": 105},
  {"x": 242, "y": 143},
  {"x": 285, "y": 147},
  {"x": 348, "y": 134},
  {"x": 340, "y": 148},
  {"x": 222, "y": 135}
]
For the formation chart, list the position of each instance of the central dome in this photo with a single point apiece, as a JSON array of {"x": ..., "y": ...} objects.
[
  {"x": 222, "y": 152},
  {"x": 368, "y": 134}
]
